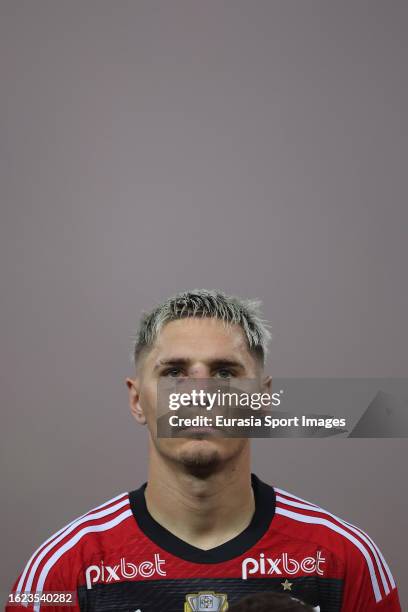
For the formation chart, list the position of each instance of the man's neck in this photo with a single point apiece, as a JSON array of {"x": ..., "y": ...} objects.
[{"x": 204, "y": 512}]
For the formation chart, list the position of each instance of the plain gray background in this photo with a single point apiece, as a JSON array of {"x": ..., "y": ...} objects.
[{"x": 153, "y": 146}]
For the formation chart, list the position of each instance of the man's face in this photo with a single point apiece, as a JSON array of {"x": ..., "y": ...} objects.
[{"x": 193, "y": 348}]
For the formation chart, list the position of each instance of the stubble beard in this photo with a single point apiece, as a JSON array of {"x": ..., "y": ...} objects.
[{"x": 200, "y": 462}]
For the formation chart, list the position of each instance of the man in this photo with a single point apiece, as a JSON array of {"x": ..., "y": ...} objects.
[{"x": 204, "y": 532}]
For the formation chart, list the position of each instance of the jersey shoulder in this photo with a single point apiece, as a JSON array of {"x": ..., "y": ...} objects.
[
  {"x": 355, "y": 550},
  {"x": 54, "y": 565}
]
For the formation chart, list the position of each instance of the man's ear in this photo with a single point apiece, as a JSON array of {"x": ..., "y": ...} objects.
[
  {"x": 267, "y": 384},
  {"x": 134, "y": 403}
]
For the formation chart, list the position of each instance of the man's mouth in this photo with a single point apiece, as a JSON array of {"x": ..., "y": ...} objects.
[{"x": 198, "y": 431}]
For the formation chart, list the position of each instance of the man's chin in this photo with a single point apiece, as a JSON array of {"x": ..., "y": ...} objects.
[{"x": 200, "y": 457}]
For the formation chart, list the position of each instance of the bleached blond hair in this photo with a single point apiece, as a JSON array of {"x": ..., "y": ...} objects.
[{"x": 204, "y": 303}]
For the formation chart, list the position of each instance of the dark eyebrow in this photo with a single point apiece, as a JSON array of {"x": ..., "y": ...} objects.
[
  {"x": 227, "y": 363},
  {"x": 214, "y": 363},
  {"x": 176, "y": 361}
]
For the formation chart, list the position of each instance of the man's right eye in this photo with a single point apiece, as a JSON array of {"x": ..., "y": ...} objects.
[{"x": 172, "y": 372}]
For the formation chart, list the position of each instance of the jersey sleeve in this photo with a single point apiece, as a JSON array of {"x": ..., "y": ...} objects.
[
  {"x": 42, "y": 578},
  {"x": 369, "y": 585}
]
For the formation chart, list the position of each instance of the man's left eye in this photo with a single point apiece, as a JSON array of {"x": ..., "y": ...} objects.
[{"x": 224, "y": 373}]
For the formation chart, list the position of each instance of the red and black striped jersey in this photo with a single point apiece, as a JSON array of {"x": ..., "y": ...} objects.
[{"x": 117, "y": 557}]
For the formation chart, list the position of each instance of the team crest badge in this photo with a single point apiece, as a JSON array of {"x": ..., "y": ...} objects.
[{"x": 206, "y": 601}]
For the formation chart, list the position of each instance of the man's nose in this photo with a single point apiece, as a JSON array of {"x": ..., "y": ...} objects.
[{"x": 199, "y": 371}]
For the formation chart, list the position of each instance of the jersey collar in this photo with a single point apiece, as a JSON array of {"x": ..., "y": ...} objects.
[{"x": 264, "y": 512}]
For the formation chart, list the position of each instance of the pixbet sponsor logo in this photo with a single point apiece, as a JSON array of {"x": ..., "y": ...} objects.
[
  {"x": 124, "y": 569},
  {"x": 282, "y": 565}
]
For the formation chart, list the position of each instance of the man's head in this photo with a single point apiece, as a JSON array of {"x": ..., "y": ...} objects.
[
  {"x": 270, "y": 602},
  {"x": 196, "y": 334}
]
